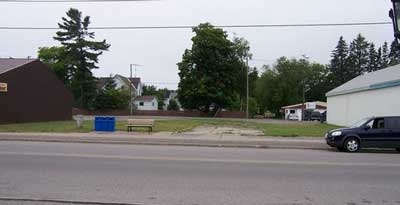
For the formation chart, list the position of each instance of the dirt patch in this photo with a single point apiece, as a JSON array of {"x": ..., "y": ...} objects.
[{"x": 219, "y": 131}]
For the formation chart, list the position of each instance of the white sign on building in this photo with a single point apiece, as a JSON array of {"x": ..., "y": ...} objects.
[{"x": 3, "y": 87}]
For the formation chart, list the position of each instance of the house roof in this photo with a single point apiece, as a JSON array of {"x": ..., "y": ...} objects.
[
  {"x": 7, "y": 64},
  {"x": 102, "y": 81},
  {"x": 135, "y": 82},
  {"x": 388, "y": 77},
  {"x": 146, "y": 98},
  {"x": 319, "y": 104}
]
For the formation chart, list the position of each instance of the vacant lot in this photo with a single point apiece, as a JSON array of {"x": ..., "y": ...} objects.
[{"x": 269, "y": 129}]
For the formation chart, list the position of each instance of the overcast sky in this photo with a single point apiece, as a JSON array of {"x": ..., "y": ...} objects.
[{"x": 159, "y": 50}]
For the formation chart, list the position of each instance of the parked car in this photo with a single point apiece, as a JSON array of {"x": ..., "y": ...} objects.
[{"x": 372, "y": 132}]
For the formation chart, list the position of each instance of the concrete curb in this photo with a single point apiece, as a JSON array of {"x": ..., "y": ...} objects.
[
  {"x": 11, "y": 199},
  {"x": 261, "y": 144}
]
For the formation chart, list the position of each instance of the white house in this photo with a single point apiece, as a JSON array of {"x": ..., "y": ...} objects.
[
  {"x": 295, "y": 112},
  {"x": 172, "y": 95},
  {"x": 372, "y": 94},
  {"x": 146, "y": 103}
]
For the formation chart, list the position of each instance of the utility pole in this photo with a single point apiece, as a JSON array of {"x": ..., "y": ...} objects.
[
  {"x": 130, "y": 92},
  {"x": 130, "y": 87},
  {"x": 247, "y": 88}
]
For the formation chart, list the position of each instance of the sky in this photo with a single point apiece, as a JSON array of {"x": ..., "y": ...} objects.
[{"x": 158, "y": 51}]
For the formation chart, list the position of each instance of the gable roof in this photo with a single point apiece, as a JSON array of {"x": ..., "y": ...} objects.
[
  {"x": 146, "y": 98},
  {"x": 7, "y": 64},
  {"x": 135, "y": 82},
  {"x": 388, "y": 77},
  {"x": 102, "y": 81}
]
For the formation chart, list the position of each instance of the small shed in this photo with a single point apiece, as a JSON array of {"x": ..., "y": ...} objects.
[
  {"x": 31, "y": 92},
  {"x": 146, "y": 103}
]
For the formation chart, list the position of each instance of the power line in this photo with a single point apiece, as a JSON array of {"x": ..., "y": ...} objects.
[
  {"x": 219, "y": 26},
  {"x": 69, "y": 1}
]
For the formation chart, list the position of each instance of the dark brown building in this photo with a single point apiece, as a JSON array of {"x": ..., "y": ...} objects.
[{"x": 31, "y": 92}]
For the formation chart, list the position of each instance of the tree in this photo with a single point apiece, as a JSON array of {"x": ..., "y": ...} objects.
[
  {"x": 285, "y": 82},
  {"x": 384, "y": 56},
  {"x": 242, "y": 52},
  {"x": 373, "y": 59},
  {"x": 394, "y": 55},
  {"x": 81, "y": 54},
  {"x": 54, "y": 58},
  {"x": 111, "y": 98},
  {"x": 209, "y": 70},
  {"x": 358, "y": 57},
  {"x": 173, "y": 105},
  {"x": 339, "y": 64}
]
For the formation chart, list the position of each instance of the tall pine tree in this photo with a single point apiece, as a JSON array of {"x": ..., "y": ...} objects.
[
  {"x": 373, "y": 59},
  {"x": 338, "y": 66},
  {"x": 394, "y": 55},
  {"x": 358, "y": 57},
  {"x": 81, "y": 53},
  {"x": 384, "y": 56}
]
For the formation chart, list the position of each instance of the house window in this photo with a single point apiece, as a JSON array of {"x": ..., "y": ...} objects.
[
  {"x": 141, "y": 103},
  {"x": 292, "y": 111},
  {"x": 153, "y": 104}
]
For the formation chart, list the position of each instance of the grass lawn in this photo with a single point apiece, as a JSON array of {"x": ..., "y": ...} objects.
[{"x": 284, "y": 130}]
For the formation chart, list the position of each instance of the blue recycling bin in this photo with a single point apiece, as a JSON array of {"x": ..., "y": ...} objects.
[{"x": 104, "y": 124}]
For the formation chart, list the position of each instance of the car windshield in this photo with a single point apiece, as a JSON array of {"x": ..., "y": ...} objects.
[{"x": 360, "y": 123}]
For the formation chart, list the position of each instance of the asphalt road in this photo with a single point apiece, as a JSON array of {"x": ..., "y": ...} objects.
[{"x": 195, "y": 175}]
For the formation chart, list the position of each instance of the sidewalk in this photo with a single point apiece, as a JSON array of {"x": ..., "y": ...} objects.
[{"x": 165, "y": 138}]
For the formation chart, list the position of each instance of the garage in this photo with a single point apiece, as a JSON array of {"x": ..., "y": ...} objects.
[
  {"x": 31, "y": 92},
  {"x": 372, "y": 94}
]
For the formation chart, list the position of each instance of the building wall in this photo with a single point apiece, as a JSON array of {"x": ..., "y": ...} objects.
[
  {"x": 344, "y": 110},
  {"x": 147, "y": 105},
  {"x": 34, "y": 94}
]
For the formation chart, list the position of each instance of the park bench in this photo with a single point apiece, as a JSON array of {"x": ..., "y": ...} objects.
[{"x": 132, "y": 123}]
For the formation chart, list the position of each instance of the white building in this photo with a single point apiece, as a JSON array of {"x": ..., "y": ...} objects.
[
  {"x": 371, "y": 94},
  {"x": 295, "y": 112},
  {"x": 146, "y": 103}
]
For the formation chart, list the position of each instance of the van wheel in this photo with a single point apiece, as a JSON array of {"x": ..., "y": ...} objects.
[
  {"x": 398, "y": 149},
  {"x": 351, "y": 145}
]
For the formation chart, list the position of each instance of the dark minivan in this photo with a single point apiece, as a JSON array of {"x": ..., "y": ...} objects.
[{"x": 372, "y": 132}]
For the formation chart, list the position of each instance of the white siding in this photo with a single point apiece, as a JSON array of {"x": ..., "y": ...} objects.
[
  {"x": 147, "y": 105},
  {"x": 347, "y": 109}
]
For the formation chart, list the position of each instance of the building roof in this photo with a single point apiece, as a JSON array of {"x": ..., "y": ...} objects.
[
  {"x": 388, "y": 77},
  {"x": 135, "y": 82},
  {"x": 300, "y": 105},
  {"x": 102, "y": 81},
  {"x": 146, "y": 98},
  {"x": 7, "y": 64}
]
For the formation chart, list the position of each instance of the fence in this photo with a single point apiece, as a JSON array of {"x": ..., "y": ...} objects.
[{"x": 222, "y": 114}]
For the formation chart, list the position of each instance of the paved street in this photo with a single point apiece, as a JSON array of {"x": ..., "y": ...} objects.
[{"x": 195, "y": 175}]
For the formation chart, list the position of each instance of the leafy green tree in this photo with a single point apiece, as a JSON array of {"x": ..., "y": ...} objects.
[
  {"x": 242, "y": 52},
  {"x": 111, "y": 98},
  {"x": 81, "y": 54},
  {"x": 54, "y": 58},
  {"x": 285, "y": 82},
  {"x": 208, "y": 71},
  {"x": 339, "y": 65},
  {"x": 358, "y": 57},
  {"x": 173, "y": 105}
]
